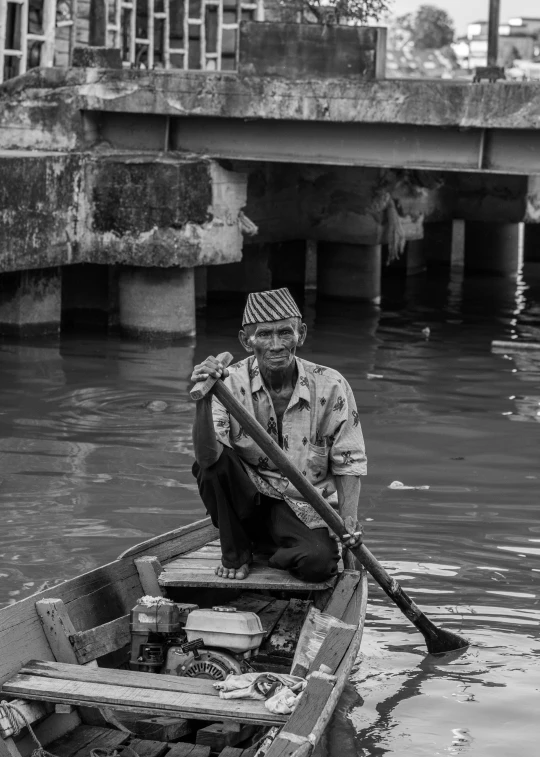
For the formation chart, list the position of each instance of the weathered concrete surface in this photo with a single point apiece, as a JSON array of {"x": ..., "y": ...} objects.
[
  {"x": 30, "y": 302},
  {"x": 157, "y": 302},
  {"x": 350, "y": 272},
  {"x": 413, "y": 124},
  {"x": 332, "y": 204},
  {"x": 148, "y": 210},
  {"x": 310, "y": 51},
  {"x": 492, "y": 248},
  {"x": 502, "y": 105}
]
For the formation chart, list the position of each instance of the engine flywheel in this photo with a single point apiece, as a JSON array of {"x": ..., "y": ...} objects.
[{"x": 212, "y": 665}]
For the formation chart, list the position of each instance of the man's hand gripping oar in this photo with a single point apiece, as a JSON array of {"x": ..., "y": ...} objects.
[{"x": 438, "y": 640}]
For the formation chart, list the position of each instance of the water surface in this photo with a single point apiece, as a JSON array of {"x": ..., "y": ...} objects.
[{"x": 96, "y": 455}]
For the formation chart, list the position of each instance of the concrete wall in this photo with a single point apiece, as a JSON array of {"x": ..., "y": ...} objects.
[
  {"x": 145, "y": 210},
  {"x": 307, "y": 51}
]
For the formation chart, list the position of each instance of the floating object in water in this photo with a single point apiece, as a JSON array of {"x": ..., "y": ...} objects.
[
  {"x": 399, "y": 485},
  {"x": 426, "y": 332},
  {"x": 371, "y": 376},
  {"x": 497, "y": 345},
  {"x": 156, "y": 406}
]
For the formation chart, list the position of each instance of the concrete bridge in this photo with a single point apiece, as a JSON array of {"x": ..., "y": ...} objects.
[{"x": 142, "y": 182}]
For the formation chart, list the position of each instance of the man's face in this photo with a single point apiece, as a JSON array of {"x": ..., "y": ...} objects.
[{"x": 274, "y": 344}]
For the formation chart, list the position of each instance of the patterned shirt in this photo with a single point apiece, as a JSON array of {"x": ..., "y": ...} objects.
[{"x": 321, "y": 432}]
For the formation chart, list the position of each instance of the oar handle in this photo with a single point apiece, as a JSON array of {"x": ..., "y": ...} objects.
[
  {"x": 201, "y": 388},
  {"x": 438, "y": 640}
]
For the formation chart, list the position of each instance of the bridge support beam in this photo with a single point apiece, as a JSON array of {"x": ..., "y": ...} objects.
[
  {"x": 531, "y": 244},
  {"x": 493, "y": 248},
  {"x": 30, "y": 302},
  {"x": 350, "y": 271},
  {"x": 157, "y": 302}
]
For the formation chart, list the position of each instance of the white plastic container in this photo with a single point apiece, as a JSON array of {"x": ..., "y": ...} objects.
[{"x": 226, "y": 628}]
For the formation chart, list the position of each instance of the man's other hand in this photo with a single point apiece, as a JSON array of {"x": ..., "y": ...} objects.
[
  {"x": 211, "y": 367},
  {"x": 355, "y": 531}
]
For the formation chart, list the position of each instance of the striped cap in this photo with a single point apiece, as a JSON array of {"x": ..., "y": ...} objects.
[{"x": 274, "y": 305}]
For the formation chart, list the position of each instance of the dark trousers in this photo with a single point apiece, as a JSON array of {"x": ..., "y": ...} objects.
[{"x": 249, "y": 522}]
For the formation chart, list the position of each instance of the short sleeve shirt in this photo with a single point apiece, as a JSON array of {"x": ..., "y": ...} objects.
[{"x": 321, "y": 432}]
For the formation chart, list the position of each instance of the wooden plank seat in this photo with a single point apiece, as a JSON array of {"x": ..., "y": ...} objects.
[
  {"x": 197, "y": 568},
  {"x": 131, "y": 691}
]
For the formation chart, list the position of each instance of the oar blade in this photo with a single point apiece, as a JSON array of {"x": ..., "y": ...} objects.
[{"x": 444, "y": 641}]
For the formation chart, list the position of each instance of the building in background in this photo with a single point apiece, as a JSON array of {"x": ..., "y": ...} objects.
[{"x": 519, "y": 47}]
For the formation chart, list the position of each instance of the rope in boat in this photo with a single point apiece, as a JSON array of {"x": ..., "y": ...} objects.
[
  {"x": 119, "y": 751},
  {"x": 10, "y": 711}
]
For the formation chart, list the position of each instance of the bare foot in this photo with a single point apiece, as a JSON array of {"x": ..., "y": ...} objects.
[{"x": 238, "y": 573}]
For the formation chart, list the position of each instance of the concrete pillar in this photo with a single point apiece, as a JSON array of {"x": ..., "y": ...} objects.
[
  {"x": 531, "y": 245},
  {"x": 350, "y": 271},
  {"x": 415, "y": 257},
  {"x": 493, "y": 248},
  {"x": 457, "y": 256},
  {"x": 157, "y": 302},
  {"x": 201, "y": 286},
  {"x": 310, "y": 274},
  {"x": 85, "y": 295},
  {"x": 444, "y": 244},
  {"x": 438, "y": 244},
  {"x": 30, "y": 302}
]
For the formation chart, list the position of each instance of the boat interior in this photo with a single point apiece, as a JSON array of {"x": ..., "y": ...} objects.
[{"x": 101, "y": 668}]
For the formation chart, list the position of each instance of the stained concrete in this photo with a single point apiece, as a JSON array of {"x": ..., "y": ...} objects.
[
  {"x": 58, "y": 209},
  {"x": 30, "y": 302},
  {"x": 310, "y": 51},
  {"x": 350, "y": 272},
  {"x": 157, "y": 302},
  {"x": 493, "y": 248},
  {"x": 433, "y": 102}
]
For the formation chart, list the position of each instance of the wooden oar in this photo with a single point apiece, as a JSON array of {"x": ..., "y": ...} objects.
[{"x": 438, "y": 640}]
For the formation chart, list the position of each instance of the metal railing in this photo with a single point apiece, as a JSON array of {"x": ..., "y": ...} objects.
[
  {"x": 184, "y": 34},
  {"x": 30, "y": 32}
]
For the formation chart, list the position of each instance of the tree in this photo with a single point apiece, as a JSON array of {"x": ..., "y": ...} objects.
[
  {"x": 336, "y": 11},
  {"x": 432, "y": 28}
]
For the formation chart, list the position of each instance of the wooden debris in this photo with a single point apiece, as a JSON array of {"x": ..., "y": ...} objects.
[
  {"x": 186, "y": 571},
  {"x": 149, "y": 701},
  {"x": 99, "y": 641},
  {"x": 343, "y": 591},
  {"x": 159, "y": 728},
  {"x": 220, "y": 735},
  {"x": 32, "y": 711},
  {"x": 231, "y": 751},
  {"x": 252, "y": 602},
  {"x": 8, "y": 748},
  {"x": 188, "y": 750},
  {"x": 85, "y": 737},
  {"x": 333, "y": 648},
  {"x": 285, "y": 636},
  {"x": 304, "y": 718},
  {"x": 147, "y": 748},
  {"x": 271, "y": 615},
  {"x": 63, "y": 709},
  {"x": 58, "y": 627},
  {"x": 149, "y": 569},
  {"x": 49, "y": 730}
]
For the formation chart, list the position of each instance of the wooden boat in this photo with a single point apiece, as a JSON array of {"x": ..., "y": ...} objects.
[{"x": 64, "y": 654}]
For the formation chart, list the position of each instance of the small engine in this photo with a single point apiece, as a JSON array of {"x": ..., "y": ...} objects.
[{"x": 182, "y": 640}]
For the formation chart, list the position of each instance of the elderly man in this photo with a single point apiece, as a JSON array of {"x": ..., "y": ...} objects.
[{"x": 310, "y": 411}]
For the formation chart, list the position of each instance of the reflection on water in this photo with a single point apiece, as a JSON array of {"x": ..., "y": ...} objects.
[{"x": 96, "y": 455}]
